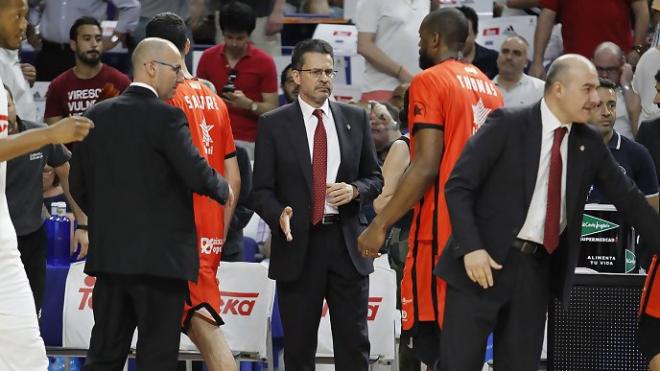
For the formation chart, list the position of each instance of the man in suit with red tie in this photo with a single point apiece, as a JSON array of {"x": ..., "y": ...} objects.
[
  {"x": 315, "y": 163},
  {"x": 516, "y": 198}
]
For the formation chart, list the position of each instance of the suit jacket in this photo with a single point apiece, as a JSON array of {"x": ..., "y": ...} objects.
[
  {"x": 283, "y": 177},
  {"x": 649, "y": 136},
  {"x": 491, "y": 187},
  {"x": 134, "y": 176}
]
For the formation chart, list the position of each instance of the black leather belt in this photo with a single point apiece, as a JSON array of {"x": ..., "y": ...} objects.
[
  {"x": 330, "y": 219},
  {"x": 528, "y": 247}
]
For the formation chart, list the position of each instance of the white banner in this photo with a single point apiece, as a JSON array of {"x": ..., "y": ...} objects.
[
  {"x": 380, "y": 317},
  {"x": 246, "y": 307},
  {"x": 493, "y": 31},
  {"x": 77, "y": 316}
]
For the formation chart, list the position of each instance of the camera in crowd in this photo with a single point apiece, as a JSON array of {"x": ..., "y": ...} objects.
[{"x": 230, "y": 86}]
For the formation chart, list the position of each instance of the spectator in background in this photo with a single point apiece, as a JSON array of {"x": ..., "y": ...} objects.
[
  {"x": 644, "y": 84},
  {"x": 269, "y": 17},
  {"x": 633, "y": 158},
  {"x": 384, "y": 129},
  {"x": 54, "y": 20},
  {"x": 483, "y": 58},
  {"x": 387, "y": 39},
  {"x": 518, "y": 88},
  {"x": 52, "y": 189},
  {"x": 649, "y": 131},
  {"x": 288, "y": 85},
  {"x": 244, "y": 76},
  {"x": 149, "y": 9},
  {"x": 607, "y": 20},
  {"x": 17, "y": 76},
  {"x": 232, "y": 250},
  {"x": 25, "y": 200},
  {"x": 611, "y": 64},
  {"x": 78, "y": 88}
]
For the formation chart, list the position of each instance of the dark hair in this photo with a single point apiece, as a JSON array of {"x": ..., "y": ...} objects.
[
  {"x": 657, "y": 76},
  {"x": 237, "y": 17},
  {"x": 606, "y": 83},
  {"x": 450, "y": 24},
  {"x": 472, "y": 16},
  {"x": 168, "y": 26},
  {"x": 309, "y": 46},
  {"x": 82, "y": 21},
  {"x": 286, "y": 69}
]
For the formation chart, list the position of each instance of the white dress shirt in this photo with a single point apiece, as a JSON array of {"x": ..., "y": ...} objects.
[
  {"x": 533, "y": 228},
  {"x": 12, "y": 76},
  {"x": 57, "y": 16},
  {"x": 334, "y": 155},
  {"x": 528, "y": 90}
]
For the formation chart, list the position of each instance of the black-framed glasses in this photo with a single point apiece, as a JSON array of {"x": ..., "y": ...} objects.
[
  {"x": 318, "y": 72},
  {"x": 176, "y": 68}
]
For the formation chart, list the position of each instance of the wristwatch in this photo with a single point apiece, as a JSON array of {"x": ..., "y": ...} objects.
[{"x": 254, "y": 107}]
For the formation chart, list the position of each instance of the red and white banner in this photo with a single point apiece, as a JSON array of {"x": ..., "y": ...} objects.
[{"x": 246, "y": 307}]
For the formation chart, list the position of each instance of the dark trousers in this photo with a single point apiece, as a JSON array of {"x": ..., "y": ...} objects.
[
  {"x": 52, "y": 60},
  {"x": 34, "y": 248},
  {"x": 328, "y": 273},
  {"x": 514, "y": 309},
  {"x": 123, "y": 302}
]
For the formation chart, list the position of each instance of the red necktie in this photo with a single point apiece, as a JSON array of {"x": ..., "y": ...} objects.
[
  {"x": 319, "y": 168},
  {"x": 553, "y": 207}
]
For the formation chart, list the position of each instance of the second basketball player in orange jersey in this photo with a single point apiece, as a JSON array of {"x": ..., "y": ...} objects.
[
  {"x": 210, "y": 129},
  {"x": 449, "y": 101}
]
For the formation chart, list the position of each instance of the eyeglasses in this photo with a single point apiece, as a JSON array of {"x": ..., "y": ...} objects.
[
  {"x": 317, "y": 72},
  {"x": 176, "y": 68}
]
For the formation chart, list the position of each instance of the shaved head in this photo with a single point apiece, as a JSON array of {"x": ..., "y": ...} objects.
[
  {"x": 157, "y": 62},
  {"x": 149, "y": 49},
  {"x": 608, "y": 48},
  {"x": 562, "y": 69},
  {"x": 570, "y": 89},
  {"x": 450, "y": 24}
]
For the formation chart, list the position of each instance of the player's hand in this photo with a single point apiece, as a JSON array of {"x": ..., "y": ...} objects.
[
  {"x": 339, "y": 193},
  {"x": 69, "y": 129},
  {"x": 285, "y": 222},
  {"x": 370, "y": 241},
  {"x": 478, "y": 265},
  {"x": 80, "y": 236}
]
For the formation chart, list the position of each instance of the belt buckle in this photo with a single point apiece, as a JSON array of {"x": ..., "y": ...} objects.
[
  {"x": 529, "y": 247},
  {"x": 329, "y": 219}
]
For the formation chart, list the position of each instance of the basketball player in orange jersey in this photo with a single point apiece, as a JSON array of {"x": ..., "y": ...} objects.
[{"x": 449, "y": 101}]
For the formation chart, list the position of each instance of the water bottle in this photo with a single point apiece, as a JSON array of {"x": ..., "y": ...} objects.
[{"x": 58, "y": 229}]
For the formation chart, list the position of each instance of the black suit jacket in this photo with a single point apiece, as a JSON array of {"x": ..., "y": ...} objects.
[
  {"x": 134, "y": 176},
  {"x": 283, "y": 177},
  {"x": 491, "y": 187}
]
